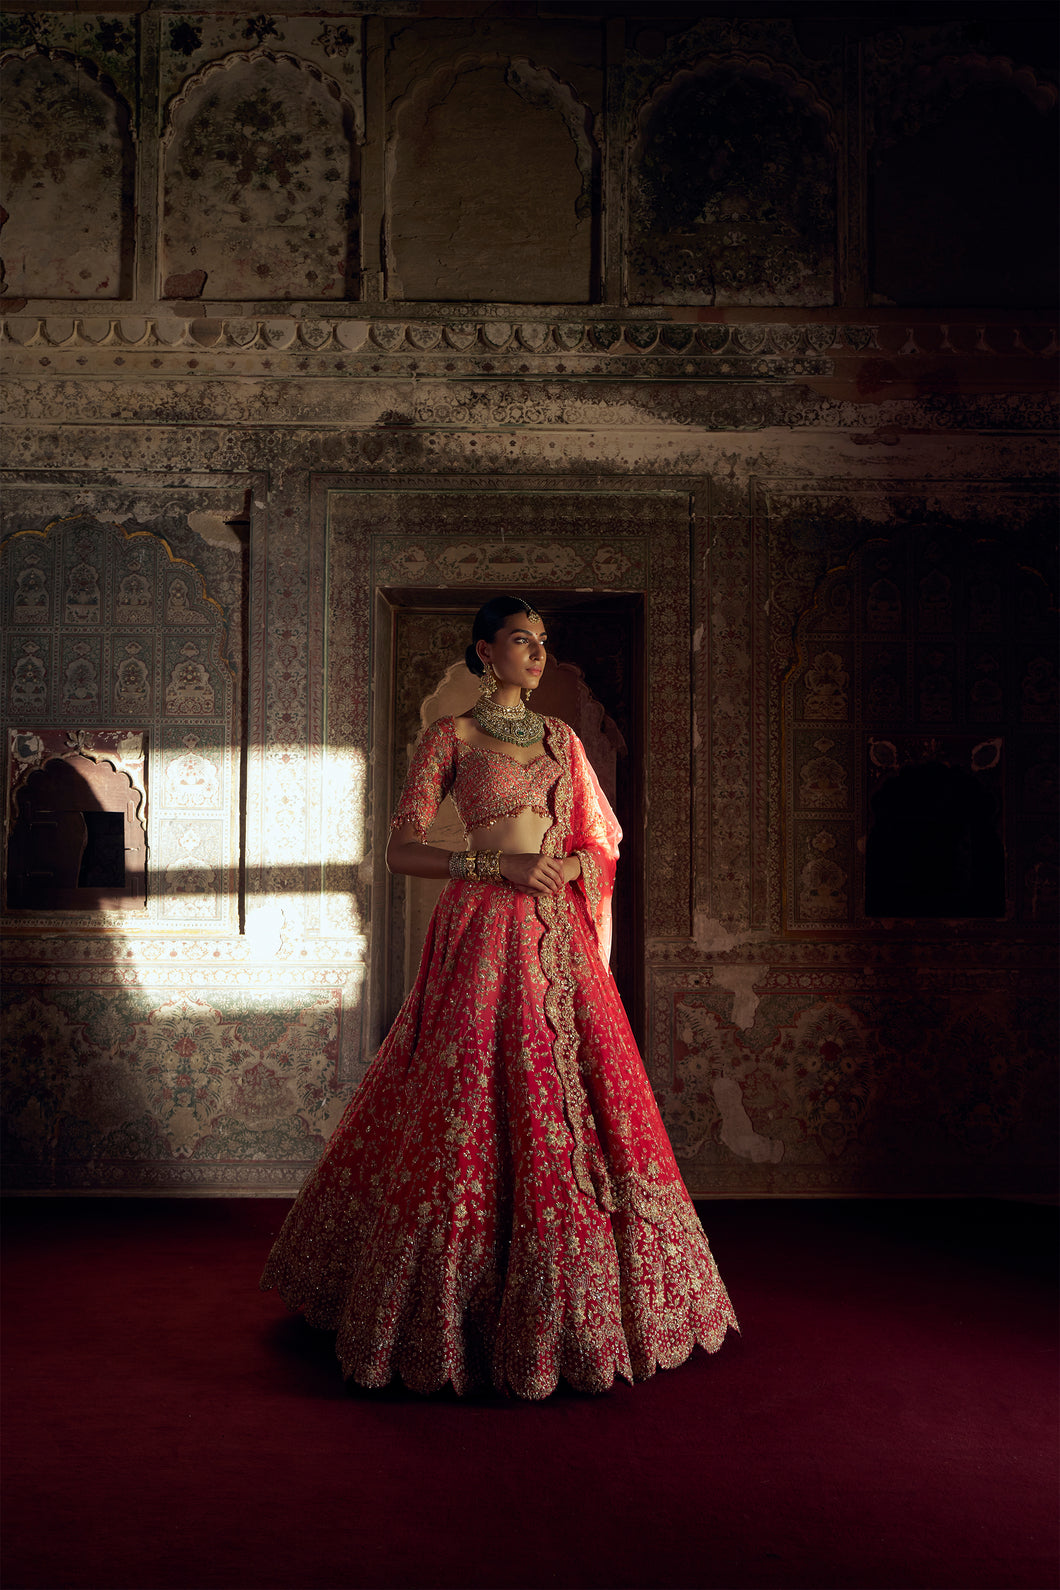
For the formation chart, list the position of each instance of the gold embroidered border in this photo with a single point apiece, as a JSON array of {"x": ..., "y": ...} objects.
[
  {"x": 590, "y": 881},
  {"x": 630, "y": 1191}
]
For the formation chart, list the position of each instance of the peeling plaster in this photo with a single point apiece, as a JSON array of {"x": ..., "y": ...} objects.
[
  {"x": 737, "y": 1132},
  {"x": 740, "y": 980},
  {"x": 214, "y": 529},
  {"x": 712, "y": 936}
]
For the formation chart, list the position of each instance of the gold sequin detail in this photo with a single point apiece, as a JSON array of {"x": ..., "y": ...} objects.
[{"x": 500, "y": 1204}]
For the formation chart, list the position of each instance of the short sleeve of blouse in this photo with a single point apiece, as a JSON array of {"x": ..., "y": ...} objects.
[{"x": 430, "y": 777}]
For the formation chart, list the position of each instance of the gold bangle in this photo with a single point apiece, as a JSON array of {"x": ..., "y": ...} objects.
[{"x": 490, "y": 866}]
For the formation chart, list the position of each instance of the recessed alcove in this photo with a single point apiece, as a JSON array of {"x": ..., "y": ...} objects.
[
  {"x": 933, "y": 848},
  {"x": 77, "y": 839},
  {"x": 68, "y": 181}
]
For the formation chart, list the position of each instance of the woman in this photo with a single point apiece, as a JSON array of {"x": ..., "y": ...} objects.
[{"x": 500, "y": 1203}]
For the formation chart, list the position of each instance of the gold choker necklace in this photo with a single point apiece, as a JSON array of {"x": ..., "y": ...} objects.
[{"x": 515, "y": 725}]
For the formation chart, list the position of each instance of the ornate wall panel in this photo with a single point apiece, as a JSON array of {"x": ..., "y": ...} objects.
[
  {"x": 510, "y": 144},
  {"x": 798, "y": 1045},
  {"x": 884, "y": 1078},
  {"x": 931, "y": 640},
  {"x": 67, "y": 186},
  {"x": 260, "y": 183},
  {"x": 733, "y": 190},
  {"x": 108, "y": 624}
]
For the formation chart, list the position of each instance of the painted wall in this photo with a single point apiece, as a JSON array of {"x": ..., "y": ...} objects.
[{"x": 417, "y": 304}]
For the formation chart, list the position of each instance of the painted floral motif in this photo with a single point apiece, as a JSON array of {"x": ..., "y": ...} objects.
[
  {"x": 733, "y": 196},
  {"x": 823, "y": 780},
  {"x": 826, "y": 686},
  {"x": 883, "y": 609},
  {"x": 191, "y": 779},
  {"x": 823, "y": 882},
  {"x": 82, "y": 594},
  {"x": 31, "y": 605},
  {"x": 828, "y": 1055}
]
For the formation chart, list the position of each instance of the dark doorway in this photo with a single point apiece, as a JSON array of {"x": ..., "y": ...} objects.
[
  {"x": 596, "y": 651},
  {"x": 933, "y": 849}
]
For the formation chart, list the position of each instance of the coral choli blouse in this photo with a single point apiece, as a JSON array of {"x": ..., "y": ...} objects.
[
  {"x": 485, "y": 785},
  {"x": 488, "y": 785}
]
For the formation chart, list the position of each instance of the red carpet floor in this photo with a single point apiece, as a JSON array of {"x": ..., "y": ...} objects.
[{"x": 888, "y": 1419}]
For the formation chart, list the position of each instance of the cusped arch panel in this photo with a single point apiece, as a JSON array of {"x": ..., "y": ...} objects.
[
  {"x": 962, "y": 183},
  {"x": 68, "y": 180},
  {"x": 493, "y": 175},
  {"x": 732, "y": 189},
  {"x": 927, "y": 649},
  {"x": 261, "y": 183},
  {"x": 110, "y": 632}
]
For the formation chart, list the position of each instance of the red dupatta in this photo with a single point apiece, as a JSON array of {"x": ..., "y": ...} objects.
[{"x": 584, "y": 826}]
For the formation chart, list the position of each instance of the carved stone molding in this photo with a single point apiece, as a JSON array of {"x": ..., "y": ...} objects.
[{"x": 740, "y": 349}]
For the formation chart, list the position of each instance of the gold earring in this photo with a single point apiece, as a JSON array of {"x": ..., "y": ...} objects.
[{"x": 489, "y": 682}]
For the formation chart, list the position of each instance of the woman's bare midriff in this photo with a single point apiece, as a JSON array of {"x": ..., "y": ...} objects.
[{"x": 518, "y": 835}]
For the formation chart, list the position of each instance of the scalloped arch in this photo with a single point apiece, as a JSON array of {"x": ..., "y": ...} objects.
[
  {"x": 577, "y": 117},
  {"x": 198, "y": 80},
  {"x": 961, "y": 71},
  {"x": 958, "y": 74},
  {"x": 138, "y": 534},
  {"x": 540, "y": 88},
  {"x": 760, "y": 67},
  {"x": 83, "y": 63},
  {"x": 276, "y": 213}
]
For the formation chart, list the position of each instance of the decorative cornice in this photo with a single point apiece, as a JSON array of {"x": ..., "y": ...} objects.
[
  {"x": 623, "y": 346},
  {"x": 282, "y": 334}
]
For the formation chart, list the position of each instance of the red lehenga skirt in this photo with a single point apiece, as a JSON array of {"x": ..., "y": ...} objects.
[{"x": 500, "y": 1204}]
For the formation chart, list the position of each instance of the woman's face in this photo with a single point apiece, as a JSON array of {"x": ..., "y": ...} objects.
[{"x": 517, "y": 651}]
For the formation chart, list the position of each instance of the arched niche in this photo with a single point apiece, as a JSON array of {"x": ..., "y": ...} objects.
[
  {"x": 77, "y": 841},
  {"x": 68, "y": 180},
  {"x": 919, "y": 724},
  {"x": 732, "y": 190},
  {"x": 261, "y": 184},
  {"x": 962, "y": 192},
  {"x": 493, "y": 174},
  {"x": 114, "y": 640}
]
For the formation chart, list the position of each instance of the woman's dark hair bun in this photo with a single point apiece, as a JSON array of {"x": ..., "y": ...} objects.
[{"x": 488, "y": 621}]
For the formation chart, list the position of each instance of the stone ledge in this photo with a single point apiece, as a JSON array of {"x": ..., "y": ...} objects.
[
  {"x": 614, "y": 338},
  {"x": 382, "y": 337}
]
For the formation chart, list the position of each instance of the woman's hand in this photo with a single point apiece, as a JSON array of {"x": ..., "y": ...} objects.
[{"x": 533, "y": 874}]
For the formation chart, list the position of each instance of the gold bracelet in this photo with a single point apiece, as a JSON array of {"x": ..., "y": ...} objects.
[
  {"x": 476, "y": 866},
  {"x": 490, "y": 866}
]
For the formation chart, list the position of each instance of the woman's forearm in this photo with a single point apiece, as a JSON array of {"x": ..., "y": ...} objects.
[{"x": 416, "y": 860}]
